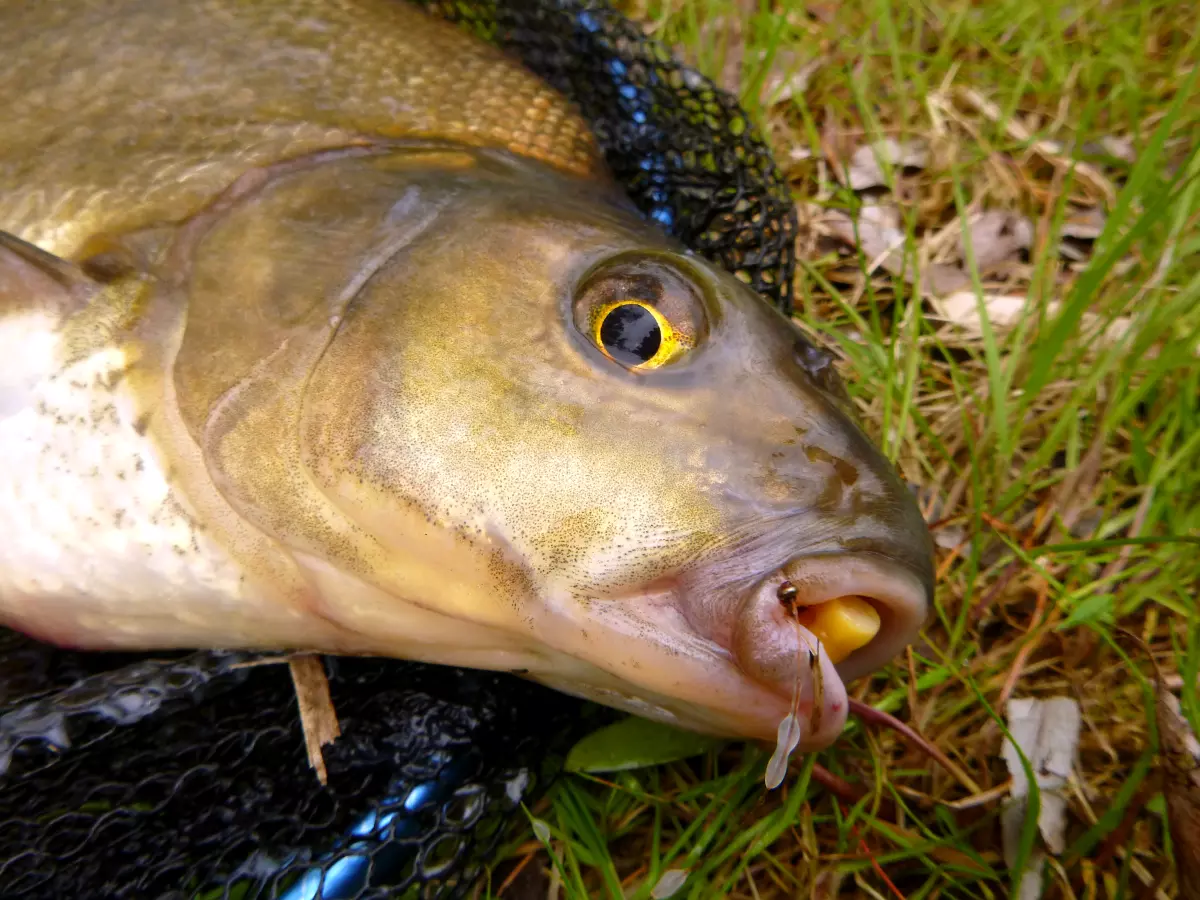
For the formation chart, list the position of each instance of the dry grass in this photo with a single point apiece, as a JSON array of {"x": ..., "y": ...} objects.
[{"x": 1035, "y": 374}]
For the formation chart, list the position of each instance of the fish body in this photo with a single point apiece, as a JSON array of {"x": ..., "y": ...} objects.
[{"x": 324, "y": 328}]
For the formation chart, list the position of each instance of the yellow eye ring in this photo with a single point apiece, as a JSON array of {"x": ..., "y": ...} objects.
[{"x": 635, "y": 334}]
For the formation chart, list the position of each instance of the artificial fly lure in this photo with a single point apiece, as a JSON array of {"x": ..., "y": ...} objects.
[{"x": 788, "y": 736}]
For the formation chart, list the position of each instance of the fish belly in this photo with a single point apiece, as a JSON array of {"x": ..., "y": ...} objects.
[{"x": 93, "y": 538}]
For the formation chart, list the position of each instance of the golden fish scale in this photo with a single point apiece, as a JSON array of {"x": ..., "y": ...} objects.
[{"x": 150, "y": 137}]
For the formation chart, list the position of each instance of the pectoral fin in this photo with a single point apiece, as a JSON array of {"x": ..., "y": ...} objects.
[
  {"x": 53, "y": 313},
  {"x": 37, "y": 282}
]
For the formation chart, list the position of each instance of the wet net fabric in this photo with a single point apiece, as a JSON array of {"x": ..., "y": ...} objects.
[
  {"x": 185, "y": 775},
  {"x": 188, "y": 778},
  {"x": 684, "y": 150}
]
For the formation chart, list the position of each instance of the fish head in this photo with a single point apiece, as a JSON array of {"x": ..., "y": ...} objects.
[{"x": 566, "y": 429}]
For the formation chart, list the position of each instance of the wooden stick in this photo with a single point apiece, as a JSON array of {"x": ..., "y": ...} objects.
[{"x": 318, "y": 719}]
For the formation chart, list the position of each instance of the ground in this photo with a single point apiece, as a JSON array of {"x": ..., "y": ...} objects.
[{"x": 999, "y": 205}]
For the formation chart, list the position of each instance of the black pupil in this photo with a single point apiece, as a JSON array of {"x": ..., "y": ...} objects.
[{"x": 630, "y": 334}]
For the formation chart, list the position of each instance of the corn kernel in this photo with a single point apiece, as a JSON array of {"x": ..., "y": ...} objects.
[{"x": 842, "y": 625}]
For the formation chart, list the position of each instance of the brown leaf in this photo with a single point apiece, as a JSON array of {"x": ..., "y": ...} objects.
[{"x": 1180, "y": 765}]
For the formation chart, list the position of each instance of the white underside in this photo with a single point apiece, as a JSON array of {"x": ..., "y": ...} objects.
[{"x": 93, "y": 535}]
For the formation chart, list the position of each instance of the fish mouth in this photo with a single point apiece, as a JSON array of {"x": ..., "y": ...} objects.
[
  {"x": 818, "y": 622},
  {"x": 781, "y": 655},
  {"x": 860, "y": 610}
]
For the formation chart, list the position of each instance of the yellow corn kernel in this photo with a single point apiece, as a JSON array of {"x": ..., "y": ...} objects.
[{"x": 842, "y": 625}]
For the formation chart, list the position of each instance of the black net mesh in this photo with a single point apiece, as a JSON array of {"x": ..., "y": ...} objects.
[
  {"x": 185, "y": 775},
  {"x": 684, "y": 149},
  {"x": 188, "y": 778}
]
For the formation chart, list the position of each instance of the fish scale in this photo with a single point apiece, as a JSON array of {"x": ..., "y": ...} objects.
[{"x": 330, "y": 74}]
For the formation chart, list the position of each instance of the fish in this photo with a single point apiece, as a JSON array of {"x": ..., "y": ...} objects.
[{"x": 315, "y": 343}]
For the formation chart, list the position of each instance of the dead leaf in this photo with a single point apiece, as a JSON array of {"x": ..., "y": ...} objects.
[
  {"x": 877, "y": 233},
  {"x": 881, "y": 240},
  {"x": 1079, "y": 230},
  {"x": 669, "y": 884},
  {"x": 790, "y": 76},
  {"x": 1047, "y": 731},
  {"x": 1050, "y": 151},
  {"x": 827, "y": 885},
  {"x": 940, "y": 279},
  {"x": 997, "y": 236},
  {"x": 799, "y": 153},
  {"x": 1117, "y": 146},
  {"x": 866, "y": 164},
  {"x": 1005, "y": 311},
  {"x": 1086, "y": 224},
  {"x": 1180, "y": 765}
]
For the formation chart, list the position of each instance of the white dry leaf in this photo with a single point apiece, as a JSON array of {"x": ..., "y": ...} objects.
[
  {"x": 877, "y": 233},
  {"x": 880, "y": 237},
  {"x": 866, "y": 170},
  {"x": 942, "y": 279},
  {"x": 789, "y": 76},
  {"x": 799, "y": 153},
  {"x": 1085, "y": 224},
  {"x": 670, "y": 883},
  {"x": 1071, "y": 253},
  {"x": 541, "y": 830},
  {"x": 1005, "y": 311},
  {"x": 996, "y": 236},
  {"x": 787, "y": 739},
  {"x": 1119, "y": 147},
  {"x": 1047, "y": 731},
  {"x": 951, "y": 537}
]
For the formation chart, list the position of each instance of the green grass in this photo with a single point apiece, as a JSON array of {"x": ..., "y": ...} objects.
[{"x": 1060, "y": 468}]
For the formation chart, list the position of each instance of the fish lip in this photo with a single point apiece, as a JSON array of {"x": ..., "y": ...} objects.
[
  {"x": 643, "y": 654},
  {"x": 899, "y": 591},
  {"x": 771, "y": 648},
  {"x": 644, "y": 658}
]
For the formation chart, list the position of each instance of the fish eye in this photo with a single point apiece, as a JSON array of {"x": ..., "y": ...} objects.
[
  {"x": 635, "y": 334},
  {"x": 641, "y": 313}
]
